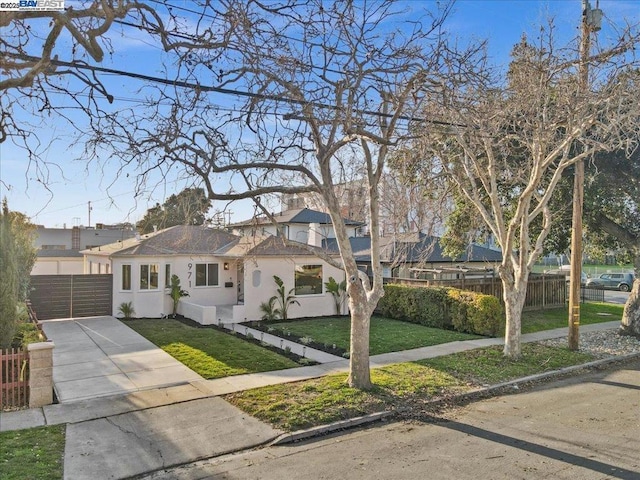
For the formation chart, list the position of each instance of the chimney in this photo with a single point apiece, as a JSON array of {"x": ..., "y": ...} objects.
[{"x": 315, "y": 237}]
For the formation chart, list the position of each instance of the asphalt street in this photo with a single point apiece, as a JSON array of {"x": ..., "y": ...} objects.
[
  {"x": 583, "y": 427},
  {"x": 614, "y": 296}
]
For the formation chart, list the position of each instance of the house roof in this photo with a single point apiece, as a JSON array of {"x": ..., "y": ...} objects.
[
  {"x": 361, "y": 247},
  {"x": 298, "y": 215},
  {"x": 181, "y": 239},
  {"x": 58, "y": 254},
  {"x": 429, "y": 250},
  {"x": 276, "y": 246},
  {"x": 426, "y": 249}
]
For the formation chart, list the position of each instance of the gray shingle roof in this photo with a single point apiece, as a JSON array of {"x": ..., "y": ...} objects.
[
  {"x": 361, "y": 247},
  {"x": 426, "y": 250},
  {"x": 181, "y": 239},
  {"x": 299, "y": 215},
  {"x": 277, "y": 246}
]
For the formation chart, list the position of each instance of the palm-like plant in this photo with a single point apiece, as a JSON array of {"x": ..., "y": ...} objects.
[
  {"x": 127, "y": 310},
  {"x": 284, "y": 298},
  {"x": 339, "y": 292},
  {"x": 176, "y": 293},
  {"x": 269, "y": 310}
]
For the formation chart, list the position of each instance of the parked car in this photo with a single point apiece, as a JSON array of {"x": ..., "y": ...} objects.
[
  {"x": 612, "y": 281},
  {"x": 567, "y": 274}
]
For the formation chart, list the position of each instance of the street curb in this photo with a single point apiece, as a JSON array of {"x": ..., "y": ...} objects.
[
  {"x": 331, "y": 427},
  {"x": 480, "y": 392},
  {"x": 560, "y": 372}
]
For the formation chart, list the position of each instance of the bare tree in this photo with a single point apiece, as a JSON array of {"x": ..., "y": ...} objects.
[
  {"x": 318, "y": 79},
  {"x": 51, "y": 72},
  {"x": 508, "y": 143}
]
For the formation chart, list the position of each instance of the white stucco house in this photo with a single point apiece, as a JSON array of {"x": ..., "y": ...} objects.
[{"x": 227, "y": 276}]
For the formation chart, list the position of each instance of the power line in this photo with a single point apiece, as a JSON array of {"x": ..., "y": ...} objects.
[
  {"x": 85, "y": 203},
  {"x": 225, "y": 91}
]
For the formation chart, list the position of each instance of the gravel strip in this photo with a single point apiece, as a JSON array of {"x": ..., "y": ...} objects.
[{"x": 604, "y": 344}]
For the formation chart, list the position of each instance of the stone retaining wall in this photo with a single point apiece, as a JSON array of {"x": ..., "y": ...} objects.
[{"x": 40, "y": 374}]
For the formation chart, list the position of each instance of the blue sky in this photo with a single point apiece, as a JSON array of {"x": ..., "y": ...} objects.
[{"x": 113, "y": 194}]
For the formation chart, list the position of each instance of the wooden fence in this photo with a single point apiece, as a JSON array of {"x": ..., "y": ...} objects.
[
  {"x": 66, "y": 296},
  {"x": 14, "y": 379},
  {"x": 543, "y": 291}
]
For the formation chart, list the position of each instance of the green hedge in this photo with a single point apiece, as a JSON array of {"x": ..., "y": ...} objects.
[
  {"x": 426, "y": 306},
  {"x": 441, "y": 307}
]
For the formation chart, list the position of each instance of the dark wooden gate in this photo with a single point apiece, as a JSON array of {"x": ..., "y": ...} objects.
[{"x": 65, "y": 296}]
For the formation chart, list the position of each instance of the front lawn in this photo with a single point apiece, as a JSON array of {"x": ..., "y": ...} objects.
[
  {"x": 591, "y": 312},
  {"x": 319, "y": 401},
  {"x": 386, "y": 335},
  {"x": 207, "y": 351},
  {"x": 32, "y": 454}
]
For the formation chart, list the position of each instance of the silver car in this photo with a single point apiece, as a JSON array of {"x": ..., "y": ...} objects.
[{"x": 612, "y": 281}]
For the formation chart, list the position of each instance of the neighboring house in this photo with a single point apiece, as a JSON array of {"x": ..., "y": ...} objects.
[
  {"x": 58, "y": 249},
  {"x": 302, "y": 225},
  {"x": 420, "y": 256},
  {"x": 227, "y": 276},
  {"x": 402, "y": 208},
  {"x": 58, "y": 262}
]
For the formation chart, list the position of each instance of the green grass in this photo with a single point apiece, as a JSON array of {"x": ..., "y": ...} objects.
[
  {"x": 323, "y": 400},
  {"x": 386, "y": 335},
  {"x": 490, "y": 366},
  {"x": 319, "y": 401},
  {"x": 537, "y": 320},
  {"x": 209, "y": 352},
  {"x": 33, "y": 454}
]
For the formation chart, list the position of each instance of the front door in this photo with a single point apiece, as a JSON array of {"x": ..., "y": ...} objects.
[{"x": 240, "y": 282}]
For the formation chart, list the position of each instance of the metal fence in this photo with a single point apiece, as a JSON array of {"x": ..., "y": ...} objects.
[{"x": 14, "y": 379}]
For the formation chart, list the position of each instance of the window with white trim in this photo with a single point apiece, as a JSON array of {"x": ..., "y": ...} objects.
[
  {"x": 207, "y": 275},
  {"x": 308, "y": 280},
  {"x": 149, "y": 276}
]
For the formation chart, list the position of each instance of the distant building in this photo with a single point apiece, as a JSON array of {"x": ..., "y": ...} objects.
[
  {"x": 59, "y": 248},
  {"x": 303, "y": 225},
  {"x": 401, "y": 208}
]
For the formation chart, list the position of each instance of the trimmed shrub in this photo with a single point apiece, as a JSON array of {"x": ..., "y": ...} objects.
[
  {"x": 425, "y": 306},
  {"x": 473, "y": 312},
  {"x": 440, "y": 307}
]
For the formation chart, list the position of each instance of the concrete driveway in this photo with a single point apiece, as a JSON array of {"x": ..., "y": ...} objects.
[{"x": 101, "y": 356}]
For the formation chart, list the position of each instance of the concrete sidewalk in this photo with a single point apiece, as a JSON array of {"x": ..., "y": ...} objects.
[
  {"x": 126, "y": 435},
  {"x": 100, "y": 356}
]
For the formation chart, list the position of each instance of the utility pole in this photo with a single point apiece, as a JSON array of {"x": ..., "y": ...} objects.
[
  {"x": 590, "y": 22},
  {"x": 89, "y": 208}
]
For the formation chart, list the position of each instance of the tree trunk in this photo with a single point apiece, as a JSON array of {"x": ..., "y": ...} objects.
[
  {"x": 359, "y": 376},
  {"x": 631, "y": 317},
  {"x": 514, "y": 292}
]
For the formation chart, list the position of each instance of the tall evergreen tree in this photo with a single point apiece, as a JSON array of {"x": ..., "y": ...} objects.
[
  {"x": 17, "y": 256},
  {"x": 188, "y": 207}
]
